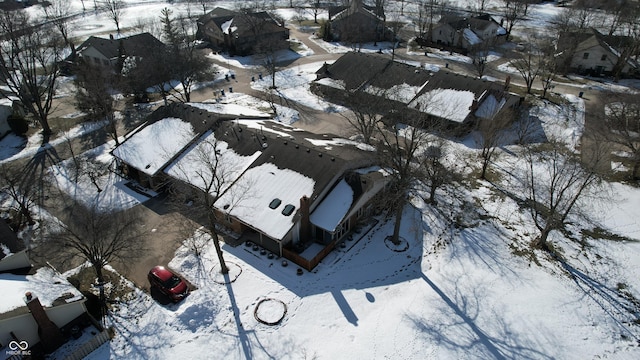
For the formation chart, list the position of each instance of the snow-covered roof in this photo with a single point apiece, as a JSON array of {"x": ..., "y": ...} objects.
[
  {"x": 338, "y": 84},
  {"x": 149, "y": 149},
  {"x": 230, "y": 109},
  {"x": 403, "y": 93},
  {"x": 227, "y": 27},
  {"x": 332, "y": 210},
  {"x": 195, "y": 165},
  {"x": 490, "y": 107},
  {"x": 471, "y": 37},
  {"x": 45, "y": 284},
  {"x": 448, "y": 104},
  {"x": 250, "y": 204}
]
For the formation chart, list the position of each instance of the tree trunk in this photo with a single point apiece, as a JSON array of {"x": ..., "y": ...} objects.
[
  {"x": 541, "y": 241},
  {"x": 99, "y": 275},
  {"x": 216, "y": 242},
  {"x": 395, "y": 238},
  {"x": 432, "y": 193}
]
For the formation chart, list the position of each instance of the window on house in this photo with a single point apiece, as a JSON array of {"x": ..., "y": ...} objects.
[
  {"x": 288, "y": 210},
  {"x": 585, "y": 55},
  {"x": 274, "y": 203},
  {"x": 96, "y": 60},
  {"x": 105, "y": 62},
  {"x": 604, "y": 57}
]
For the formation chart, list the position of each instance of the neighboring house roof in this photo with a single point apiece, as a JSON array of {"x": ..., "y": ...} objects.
[
  {"x": 136, "y": 45},
  {"x": 471, "y": 25},
  {"x": 241, "y": 24},
  {"x": 50, "y": 288},
  {"x": 614, "y": 44},
  {"x": 447, "y": 95}
]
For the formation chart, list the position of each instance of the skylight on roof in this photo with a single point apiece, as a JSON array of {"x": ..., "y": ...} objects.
[
  {"x": 288, "y": 210},
  {"x": 275, "y": 203}
]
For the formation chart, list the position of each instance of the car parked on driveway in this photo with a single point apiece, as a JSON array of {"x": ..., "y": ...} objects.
[{"x": 168, "y": 283}]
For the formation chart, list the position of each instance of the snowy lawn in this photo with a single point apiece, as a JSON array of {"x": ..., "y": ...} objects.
[
  {"x": 468, "y": 286},
  {"x": 293, "y": 84}
]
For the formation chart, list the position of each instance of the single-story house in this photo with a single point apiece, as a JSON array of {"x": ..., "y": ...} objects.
[
  {"x": 108, "y": 53},
  {"x": 591, "y": 52},
  {"x": 459, "y": 100},
  {"x": 285, "y": 188},
  {"x": 243, "y": 33},
  {"x": 358, "y": 23}
]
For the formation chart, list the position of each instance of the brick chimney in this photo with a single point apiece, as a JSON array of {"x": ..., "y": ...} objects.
[
  {"x": 49, "y": 333},
  {"x": 305, "y": 224}
]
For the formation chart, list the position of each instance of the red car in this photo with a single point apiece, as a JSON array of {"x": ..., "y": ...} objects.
[{"x": 168, "y": 282}]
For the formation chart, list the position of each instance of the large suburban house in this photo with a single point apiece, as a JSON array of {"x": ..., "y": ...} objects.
[
  {"x": 591, "y": 52},
  {"x": 457, "y": 101},
  {"x": 358, "y": 23},
  {"x": 109, "y": 53},
  {"x": 295, "y": 193},
  {"x": 467, "y": 32},
  {"x": 243, "y": 33}
]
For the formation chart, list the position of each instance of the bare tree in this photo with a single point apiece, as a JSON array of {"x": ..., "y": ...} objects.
[
  {"x": 621, "y": 125},
  {"x": 22, "y": 190},
  {"x": 205, "y": 174},
  {"x": 58, "y": 12},
  {"x": 184, "y": 62},
  {"x": 401, "y": 149},
  {"x": 29, "y": 59},
  {"x": 555, "y": 183},
  {"x": 115, "y": 9},
  {"x": 363, "y": 116},
  {"x": 98, "y": 237},
  {"x": 528, "y": 65},
  {"x": 492, "y": 134},
  {"x": 479, "y": 55},
  {"x": 513, "y": 11},
  {"x": 434, "y": 173},
  {"x": 94, "y": 95}
]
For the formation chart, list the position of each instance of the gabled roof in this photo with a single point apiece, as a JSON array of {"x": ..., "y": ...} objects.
[
  {"x": 443, "y": 94},
  {"x": 278, "y": 161},
  {"x": 136, "y": 45},
  {"x": 241, "y": 24},
  {"x": 50, "y": 288}
]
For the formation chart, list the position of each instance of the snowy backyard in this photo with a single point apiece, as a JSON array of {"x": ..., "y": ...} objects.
[{"x": 467, "y": 286}]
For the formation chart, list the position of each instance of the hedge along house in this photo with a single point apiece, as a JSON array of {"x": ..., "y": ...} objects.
[
  {"x": 456, "y": 101},
  {"x": 284, "y": 188}
]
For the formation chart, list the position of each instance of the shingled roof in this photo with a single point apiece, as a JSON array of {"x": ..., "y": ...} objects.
[{"x": 136, "y": 45}]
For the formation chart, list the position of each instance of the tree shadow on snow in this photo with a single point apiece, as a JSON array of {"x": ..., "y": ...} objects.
[
  {"x": 621, "y": 307},
  {"x": 457, "y": 328}
]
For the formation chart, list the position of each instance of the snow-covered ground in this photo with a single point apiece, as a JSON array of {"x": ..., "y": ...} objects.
[{"x": 467, "y": 286}]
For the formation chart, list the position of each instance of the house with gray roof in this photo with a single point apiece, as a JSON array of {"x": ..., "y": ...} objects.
[
  {"x": 285, "y": 189},
  {"x": 108, "y": 53},
  {"x": 358, "y": 23},
  {"x": 242, "y": 33},
  {"x": 467, "y": 32},
  {"x": 591, "y": 52},
  {"x": 457, "y": 101}
]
